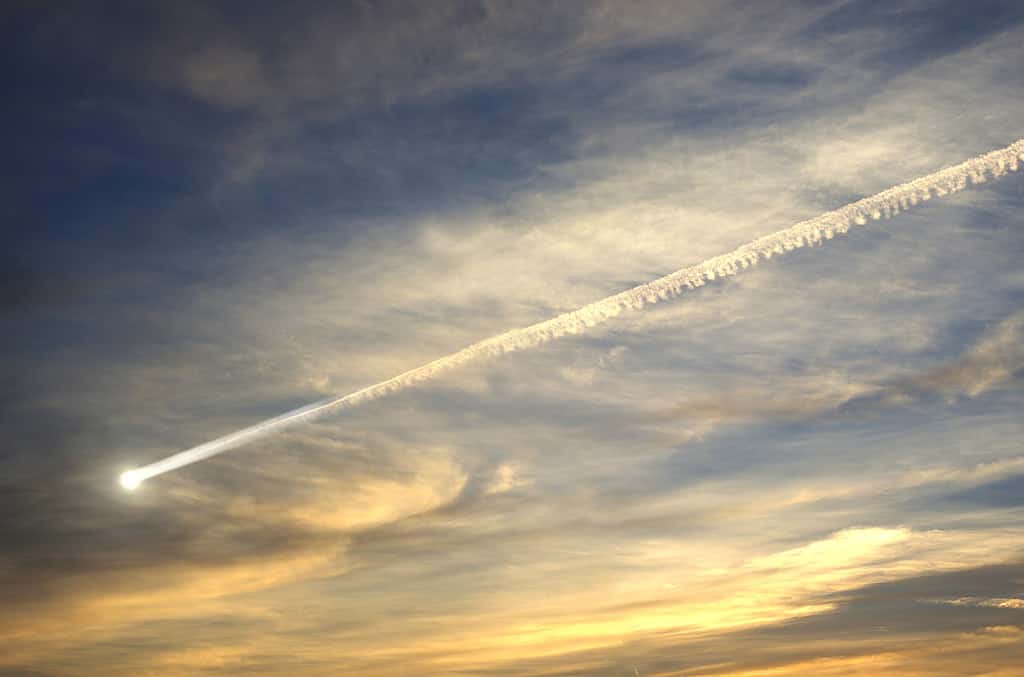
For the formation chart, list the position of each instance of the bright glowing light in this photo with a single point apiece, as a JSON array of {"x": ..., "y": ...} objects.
[{"x": 130, "y": 480}]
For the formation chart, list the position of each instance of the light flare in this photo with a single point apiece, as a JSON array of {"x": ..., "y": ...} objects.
[{"x": 131, "y": 479}]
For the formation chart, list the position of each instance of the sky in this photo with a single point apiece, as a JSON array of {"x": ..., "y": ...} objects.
[{"x": 215, "y": 212}]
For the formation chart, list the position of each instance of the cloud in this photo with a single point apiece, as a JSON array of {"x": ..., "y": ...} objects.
[
  {"x": 220, "y": 217},
  {"x": 996, "y": 603},
  {"x": 182, "y": 551},
  {"x": 992, "y": 361},
  {"x": 507, "y": 476},
  {"x": 878, "y": 627}
]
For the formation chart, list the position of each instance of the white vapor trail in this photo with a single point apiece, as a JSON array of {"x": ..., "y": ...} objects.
[{"x": 810, "y": 232}]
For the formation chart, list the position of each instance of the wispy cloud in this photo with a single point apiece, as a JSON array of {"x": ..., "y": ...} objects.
[
  {"x": 992, "y": 361},
  {"x": 220, "y": 217},
  {"x": 995, "y": 603}
]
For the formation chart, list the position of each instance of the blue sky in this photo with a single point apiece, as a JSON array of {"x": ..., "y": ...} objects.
[{"x": 220, "y": 211}]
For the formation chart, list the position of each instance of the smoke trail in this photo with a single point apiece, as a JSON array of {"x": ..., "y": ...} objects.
[{"x": 813, "y": 231}]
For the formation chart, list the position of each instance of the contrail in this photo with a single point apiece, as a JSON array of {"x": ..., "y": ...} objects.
[{"x": 813, "y": 231}]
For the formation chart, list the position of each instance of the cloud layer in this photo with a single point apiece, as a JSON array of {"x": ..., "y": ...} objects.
[{"x": 221, "y": 213}]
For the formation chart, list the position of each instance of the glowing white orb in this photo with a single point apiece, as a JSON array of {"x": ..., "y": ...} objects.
[{"x": 130, "y": 480}]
